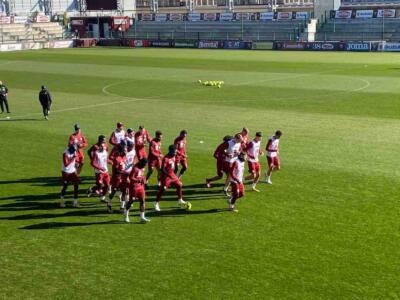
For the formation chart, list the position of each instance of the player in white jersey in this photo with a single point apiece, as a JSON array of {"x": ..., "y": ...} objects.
[
  {"x": 100, "y": 164},
  {"x": 117, "y": 135},
  {"x": 232, "y": 151},
  {"x": 117, "y": 138},
  {"x": 130, "y": 155},
  {"x": 253, "y": 152},
  {"x": 130, "y": 136},
  {"x": 236, "y": 178},
  {"x": 273, "y": 160},
  {"x": 69, "y": 175}
]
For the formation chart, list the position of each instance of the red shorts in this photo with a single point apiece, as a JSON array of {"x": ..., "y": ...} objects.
[
  {"x": 70, "y": 178},
  {"x": 237, "y": 190},
  {"x": 154, "y": 162},
  {"x": 117, "y": 181},
  {"x": 180, "y": 160},
  {"x": 137, "y": 191},
  {"x": 254, "y": 167},
  {"x": 141, "y": 153},
  {"x": 170, "y": 180},
  {"x": 103, "y": 179},
  {"x": 274, "y": 161},
  {"x": 125, "y": 182},
  {"x": 220, "y": 168}
]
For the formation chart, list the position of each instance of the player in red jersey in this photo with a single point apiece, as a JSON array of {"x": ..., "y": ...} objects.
[
  {"x": 253, "y": 152},
  {"x": 181, "y": 157},
  {"x": 236, "y": 175},
  {"x": 219, "y": 155},
  {"x": 141, "y": 138},
  {"x": 272, "y": 148},
  {"x": 114, "y": 151},
  {"x": 137, "y": 190},
  {"x": 80, "y": 143},
  {"x": 245, "y": 139},
  {"x": 100, "y": 162},
  {"x": 69, "y": 175},
  {"x": 168, "y": 178},
  {"x": 118, "y": 166},
  {"x": 155, "y": 156}
]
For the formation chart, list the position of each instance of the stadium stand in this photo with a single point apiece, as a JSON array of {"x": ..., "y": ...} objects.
[
  {"x": 204, "y": 30},
  {"x": 345, "y": 3},
  {"x": 374, "y": 27},
  {"x": 31, "y": 32}
]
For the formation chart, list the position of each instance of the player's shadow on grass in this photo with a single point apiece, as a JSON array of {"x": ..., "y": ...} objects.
[
  {"x": 69, "y": 213},
  {"x": 60, "y": 225},
  {"x": 43, "y": 181},
  {"x": 20, "y": 120},
  {"x": 39, "y": 205},
  {"x": 29, "y": 205},
  {"x": 190, "y": 195},
  {"x": 178, "y": 212},
  {"x": 32, "y": 198},
  {"x": 28, "y": 199},
  {"x": 164, "y": 213},
  {"x": 191, "y": 192}
]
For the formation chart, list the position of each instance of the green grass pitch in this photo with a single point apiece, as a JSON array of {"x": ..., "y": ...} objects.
[{"x": 328, "y": 228}]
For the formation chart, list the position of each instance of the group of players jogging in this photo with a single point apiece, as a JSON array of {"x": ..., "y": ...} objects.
[
  {"x": 129, "y": 159},
  {"x": 231, "y": 156}
]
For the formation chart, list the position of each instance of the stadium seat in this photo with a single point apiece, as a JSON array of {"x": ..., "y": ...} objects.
[
  {"x": 248, "y": 30},
  {"x": 360, "y": 30}
]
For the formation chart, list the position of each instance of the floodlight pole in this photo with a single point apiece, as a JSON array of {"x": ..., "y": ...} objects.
[
  {"x": 231, "y": 5},
  {"x": 154, "y": 6},
  {"x": 241, "y": 18},
  {"x": 190, "y": 5},
  {"x": 383, "y": 25}
]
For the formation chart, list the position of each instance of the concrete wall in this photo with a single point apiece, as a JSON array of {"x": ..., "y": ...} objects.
[
  {"x": 129, "y": 7},
  {"x": 322, "y": 6}
]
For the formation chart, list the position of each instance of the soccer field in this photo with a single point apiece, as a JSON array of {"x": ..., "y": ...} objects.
[{"x": 328, "y": 227}]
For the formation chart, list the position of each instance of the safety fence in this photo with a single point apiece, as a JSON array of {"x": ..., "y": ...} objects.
[{"x": 254, "y": 45}]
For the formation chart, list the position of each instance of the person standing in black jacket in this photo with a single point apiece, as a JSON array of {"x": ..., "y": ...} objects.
[
  {"x": 3, "y": 97},
  {"x": 45, "y": 101}
]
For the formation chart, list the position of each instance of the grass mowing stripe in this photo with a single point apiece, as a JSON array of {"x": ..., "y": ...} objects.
[{"x": 325, "y": 229}]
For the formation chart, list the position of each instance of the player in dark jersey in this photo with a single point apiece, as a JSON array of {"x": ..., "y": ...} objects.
[
  {"x": 168, "y": 178},
  {"x": 219, "y": 155},
  {"x": 3, "y": 98},
  {"x": 45, "y": 101},
  {"x": 137, "y": 191}
]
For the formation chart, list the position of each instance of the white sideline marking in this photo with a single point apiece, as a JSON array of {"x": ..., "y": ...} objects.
[
  {"x": 81, "y": 107},
  {"x": 367, "y": 84},
  {"x": 104, "y": 90},
  {"x": 153, "y": 98}
]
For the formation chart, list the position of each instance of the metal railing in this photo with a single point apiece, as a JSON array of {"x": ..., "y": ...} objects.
[
  {"x": 363, "y": 37},
  {"x": 242, "y": 31},
  {"x": 352, "y": 29},
  {"x": 232, "y": 35}
]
